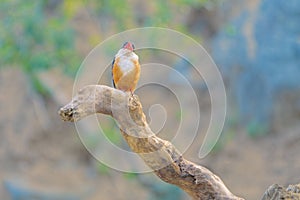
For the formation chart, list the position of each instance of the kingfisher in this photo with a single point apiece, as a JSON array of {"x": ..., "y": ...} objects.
[{"x": 126, "y": 69}]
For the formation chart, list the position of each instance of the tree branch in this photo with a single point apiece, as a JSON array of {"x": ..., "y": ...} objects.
[
  {"x": 160, "y": 155},
  {"x": 278, "y": 192}
]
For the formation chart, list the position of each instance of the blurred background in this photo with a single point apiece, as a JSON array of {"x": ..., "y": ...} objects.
[{"x": 255, "y": 44}]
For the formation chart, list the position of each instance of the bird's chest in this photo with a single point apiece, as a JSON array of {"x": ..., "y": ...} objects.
[{"x": 126, "y": 65}]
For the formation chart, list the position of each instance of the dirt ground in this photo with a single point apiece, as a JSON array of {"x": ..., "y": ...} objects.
[
  {"x": 51, "y": 158},
  {"x": 47, "y": 158},
  {"x": 248, "y": 166}
]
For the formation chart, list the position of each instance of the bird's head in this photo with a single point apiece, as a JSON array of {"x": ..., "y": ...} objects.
[{"x": 129, "y": 46}]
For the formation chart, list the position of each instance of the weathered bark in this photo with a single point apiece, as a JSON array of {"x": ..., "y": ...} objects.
[
  {"x": 277, "y": 192},
  {"x": 160, "y": 155}
]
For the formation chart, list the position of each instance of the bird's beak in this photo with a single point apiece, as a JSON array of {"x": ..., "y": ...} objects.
[{"x": 128, "y": 46}]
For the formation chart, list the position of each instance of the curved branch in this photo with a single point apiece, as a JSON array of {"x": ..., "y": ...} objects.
[{"x": 160, "y": 155}]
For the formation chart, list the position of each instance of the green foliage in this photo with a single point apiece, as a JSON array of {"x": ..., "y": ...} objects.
[
  {"x": 179, "y": 115},
  {"x": 119, "y": 10},
  {"x": 228, "y": 134},
  {"x": 196, "y": 3},
  {"x": 91, "y": 139},
  {"x": 112, "y": 133},
  {"x": 231, "y": 30},
  {"x": 35, "y": 40},
  {"x": 102, "y": 168},
  {"x": 130, "y": 175},
  {"x": 36, "y": 35},
  {"x": 163, "y": 14},
  {"x": 38, "y": 85},
  {"x": 162, "y": 190},
  {"x": 125, "y": 15},
  {"x": 225, "y": 137},
  {"x": 256, "y": 129}
]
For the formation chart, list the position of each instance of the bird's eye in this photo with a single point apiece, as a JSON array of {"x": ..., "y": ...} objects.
[{"x": 125, "y": 44}]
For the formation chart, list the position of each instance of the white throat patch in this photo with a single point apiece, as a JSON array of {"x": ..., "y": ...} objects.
[{"x": 125, "y": 60}]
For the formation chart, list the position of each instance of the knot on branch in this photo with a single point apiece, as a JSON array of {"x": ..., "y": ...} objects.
[
  {"x": 134, "y": 103},
  {"x": 68, "y": 113}
]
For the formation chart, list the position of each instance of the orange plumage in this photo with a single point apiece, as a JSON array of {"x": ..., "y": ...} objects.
[{"x": 126, "y": 69}]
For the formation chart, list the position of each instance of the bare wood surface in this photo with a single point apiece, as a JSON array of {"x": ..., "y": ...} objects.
[
  {"x": 277, "y": 192},
  {"x": 160, "y": 155}
]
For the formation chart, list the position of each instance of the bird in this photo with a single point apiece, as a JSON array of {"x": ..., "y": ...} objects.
[{"x": 126, "y": 69}]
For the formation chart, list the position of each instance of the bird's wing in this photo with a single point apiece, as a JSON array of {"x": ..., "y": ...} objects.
[{"x": 112, "y": 76}]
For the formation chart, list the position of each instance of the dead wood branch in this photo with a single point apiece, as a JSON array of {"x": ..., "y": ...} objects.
[{"x": 160, "y": 155}]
